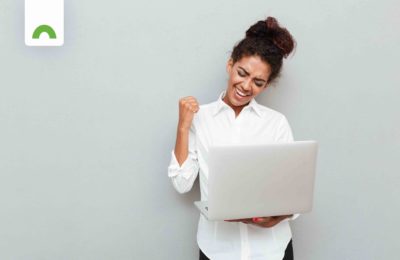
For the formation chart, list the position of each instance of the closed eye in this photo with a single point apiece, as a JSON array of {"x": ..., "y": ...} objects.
[
  {"x": 241, "y": 73},
  {"x": 259, "y": 83}
]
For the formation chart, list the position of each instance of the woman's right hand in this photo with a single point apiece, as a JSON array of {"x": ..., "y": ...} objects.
[{"x": 188, "y": 106}]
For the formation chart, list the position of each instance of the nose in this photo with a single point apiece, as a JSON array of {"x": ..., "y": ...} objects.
[{"x": 246, "y": 85}]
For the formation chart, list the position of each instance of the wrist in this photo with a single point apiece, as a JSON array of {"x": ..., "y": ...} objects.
[{"x": 183, "y": 129}]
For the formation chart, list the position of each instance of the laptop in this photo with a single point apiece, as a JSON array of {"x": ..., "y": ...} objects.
[{"x": 248, "y": 181}]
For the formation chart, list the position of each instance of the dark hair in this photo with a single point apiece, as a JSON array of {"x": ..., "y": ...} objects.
[{"x": 267, "y": 40}]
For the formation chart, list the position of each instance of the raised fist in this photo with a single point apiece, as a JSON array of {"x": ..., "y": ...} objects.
[{"x": 187, "y": 107}]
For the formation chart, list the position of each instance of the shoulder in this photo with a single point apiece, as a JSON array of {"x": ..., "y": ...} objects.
[
  {"x": 205, "y": 111},
  {"x": 208, "y": 107},
  {"x": 270, "y": 114},
  {"x": 278, "y": 122}
]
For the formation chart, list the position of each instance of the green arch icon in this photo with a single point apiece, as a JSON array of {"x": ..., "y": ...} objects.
[{"x": 44, "y": 29}]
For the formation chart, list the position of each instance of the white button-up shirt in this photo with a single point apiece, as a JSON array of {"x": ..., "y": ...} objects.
[{"x": 215, "y": 123}]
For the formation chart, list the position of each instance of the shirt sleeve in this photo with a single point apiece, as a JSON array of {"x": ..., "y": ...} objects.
[
  {"x": 285, "y": 135},
  {"x": 183, "y": 176}
]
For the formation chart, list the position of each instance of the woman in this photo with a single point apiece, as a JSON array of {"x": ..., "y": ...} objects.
[{"x": 236, "y": 117}]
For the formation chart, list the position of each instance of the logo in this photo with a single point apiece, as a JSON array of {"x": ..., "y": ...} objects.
[{"x": 44, "y": 22}]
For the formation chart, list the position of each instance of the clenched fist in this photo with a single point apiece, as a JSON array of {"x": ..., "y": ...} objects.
[{"x": 187, "y": 107}]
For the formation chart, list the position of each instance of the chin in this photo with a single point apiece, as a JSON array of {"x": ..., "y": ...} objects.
[{"x": 238, "y": 104}]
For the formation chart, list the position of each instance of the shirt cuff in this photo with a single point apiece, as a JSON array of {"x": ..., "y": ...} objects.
[{"x": 175, "y": 169}]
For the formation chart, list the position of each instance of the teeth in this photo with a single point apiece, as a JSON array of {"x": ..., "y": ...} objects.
[{"x": 241, "y": 93}]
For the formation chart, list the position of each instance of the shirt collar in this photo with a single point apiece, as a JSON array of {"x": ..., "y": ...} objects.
[{"x": 253, "y": 105}]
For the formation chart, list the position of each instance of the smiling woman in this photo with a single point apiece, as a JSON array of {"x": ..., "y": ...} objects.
[{"x": 236, "y": 117}]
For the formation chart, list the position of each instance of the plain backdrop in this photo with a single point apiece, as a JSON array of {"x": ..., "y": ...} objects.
[{"x": 87, "y": 129}]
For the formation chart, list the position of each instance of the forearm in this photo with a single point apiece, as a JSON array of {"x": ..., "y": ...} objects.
[{"x": 182, "y": 145}]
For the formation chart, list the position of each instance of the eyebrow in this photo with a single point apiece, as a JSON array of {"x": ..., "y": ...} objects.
[{"x": 247, "y": 73}]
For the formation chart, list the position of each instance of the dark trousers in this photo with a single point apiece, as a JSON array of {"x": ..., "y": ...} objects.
[{"x": 288, "y": 253}]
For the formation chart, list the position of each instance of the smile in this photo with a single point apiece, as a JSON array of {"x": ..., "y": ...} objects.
[{"x": 241, "y": 94}]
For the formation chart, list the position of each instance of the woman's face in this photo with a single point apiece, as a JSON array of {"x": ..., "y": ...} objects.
[{"x": 247, "y": 79}]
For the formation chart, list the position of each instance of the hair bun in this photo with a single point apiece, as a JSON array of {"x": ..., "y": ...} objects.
[{"x": 270, "y": 30}]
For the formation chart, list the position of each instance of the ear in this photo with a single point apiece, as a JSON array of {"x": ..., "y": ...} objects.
[{"x": 229, "y": 65}]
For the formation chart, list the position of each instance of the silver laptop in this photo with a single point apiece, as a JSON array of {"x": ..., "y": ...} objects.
[{"x": 248, "y": 181}]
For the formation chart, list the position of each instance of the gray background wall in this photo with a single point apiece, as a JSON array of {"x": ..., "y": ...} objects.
[{"x": 86, "y": 130}]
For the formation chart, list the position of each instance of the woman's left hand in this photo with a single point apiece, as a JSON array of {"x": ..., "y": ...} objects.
[{"x": 265, "y": 222}]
